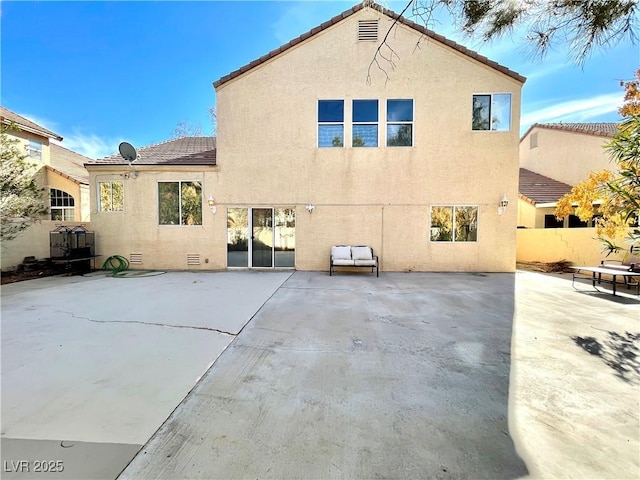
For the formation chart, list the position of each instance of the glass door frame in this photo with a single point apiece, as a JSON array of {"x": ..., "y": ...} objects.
[{"x": 250, "y": 237}]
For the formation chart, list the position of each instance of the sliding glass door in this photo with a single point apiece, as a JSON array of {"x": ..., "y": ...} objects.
[{"x": 261, "y": 237}]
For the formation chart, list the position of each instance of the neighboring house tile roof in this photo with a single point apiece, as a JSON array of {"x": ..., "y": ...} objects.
[
  {"x": 389, "y": 13},
  {"x": 69, "y": 163},
  {"x": 601, "y": 129},
  {"x": 179, "y": 151},
  {"x": 7, "y": 117},
  {"x": 535, "y": 188}
]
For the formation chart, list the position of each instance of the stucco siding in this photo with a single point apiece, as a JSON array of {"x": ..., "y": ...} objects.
[
  {"x": 563, "y": 155},
  {"x": 267, "y": 149}
]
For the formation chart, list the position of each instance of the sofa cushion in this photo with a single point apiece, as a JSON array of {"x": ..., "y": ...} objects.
[
  {"x": 368, "y": 263},
  {"x": 361, "y": 253},
  {"x": 342, "y": 252},
  {"x": 342, "y": 261}
]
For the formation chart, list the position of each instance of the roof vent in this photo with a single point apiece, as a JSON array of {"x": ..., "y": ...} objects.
[{"x": 368, "y": 30}]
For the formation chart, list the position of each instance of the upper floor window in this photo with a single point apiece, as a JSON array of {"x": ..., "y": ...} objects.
[
  {"x": 180, "y": 203},
  {"x": 110, "y": 196},
  {"x": 492, "y": 112},
  {"x": 35, "y": 150},
  {"x": 330, "y": 123},
  {"x": 365, "y": 123},
  {"x": 399, "y": 123},
  {"x": 62, "y": 206},
  {"x": 454, "y": 224}
]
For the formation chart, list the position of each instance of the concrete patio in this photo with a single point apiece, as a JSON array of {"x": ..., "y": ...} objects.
[{"x": 405, "y": 376}]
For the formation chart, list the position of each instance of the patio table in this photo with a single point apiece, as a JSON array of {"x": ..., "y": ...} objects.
[{"x": 597, "y": 272}]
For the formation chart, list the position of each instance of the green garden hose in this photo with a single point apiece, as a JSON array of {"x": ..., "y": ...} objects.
[{"x": 116, "y": 264}]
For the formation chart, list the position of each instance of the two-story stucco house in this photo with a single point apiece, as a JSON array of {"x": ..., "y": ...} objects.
[
  {"x": 316, "y": 147},
  {"x": 63, "y": 176},
  {"x": 553, "y": 158}
]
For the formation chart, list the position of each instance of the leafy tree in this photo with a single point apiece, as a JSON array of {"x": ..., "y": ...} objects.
[
  {"x": 618, "y": 193},
  {"x": 578, "y": 26},
  {"x": 22, "y": 199},
  {"x": 358, "y": 141},
  {"x": 402, "y": 137},
  {"x": 337, "y": 141},
  {"x": 631, "y": 105}
]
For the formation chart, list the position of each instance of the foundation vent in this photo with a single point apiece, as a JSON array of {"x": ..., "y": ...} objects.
[
  {"x": 193, "y": 259},
  {"x": 135, "y": 258},
  {"x": 368, "y": 30}
]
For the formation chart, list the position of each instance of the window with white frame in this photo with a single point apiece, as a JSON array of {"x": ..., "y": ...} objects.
[
  {"x": 365, "y": 123},
  {"x": 330, "y": 123},
  {"x": 62, "y": 206},
  {"x": 400, "y": 123},
  {"x": 179, "y": 203},
  {"x": 491, "y": 112},
  {"x": 35, "y": 150},
  {"x": 110, "y": 196},
  {"x": 454, "y": 223}
]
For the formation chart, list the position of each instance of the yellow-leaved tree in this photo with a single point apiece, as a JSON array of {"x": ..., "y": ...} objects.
[{"x": 614, "y": 195}]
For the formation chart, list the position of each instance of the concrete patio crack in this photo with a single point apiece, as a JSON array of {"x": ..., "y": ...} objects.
[{"x": 152, "y": 324}]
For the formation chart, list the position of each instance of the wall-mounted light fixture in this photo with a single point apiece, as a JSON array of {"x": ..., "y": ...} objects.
[
  {"x": 310, "y": 208},
  {"x": 504, "y": 203},
  {"x": 212, "y": 204}
]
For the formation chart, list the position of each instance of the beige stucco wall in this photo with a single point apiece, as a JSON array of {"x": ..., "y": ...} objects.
[
  {"x": 564, "y": 156},
  {"x": 78, "y": 191},
  {"x": 267, "y": 157},
  {"x": 577, "y": 245},
  {"x": 381, "y": 196},
  {"x": 24, "y": 137},
  {"x": 136, "y": 230},
  {"x": 34, "y": 241}
]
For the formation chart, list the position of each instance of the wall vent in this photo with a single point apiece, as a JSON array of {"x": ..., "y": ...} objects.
[
  {"x": 368, "y": 30},
  {"x": 533, "y": 140},
  {"x": 135, "y": 258},
  {"x": 193, "y": 259}
]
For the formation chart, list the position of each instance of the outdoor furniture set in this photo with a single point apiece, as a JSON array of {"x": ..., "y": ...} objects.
[{"x": 616, "y": 272}]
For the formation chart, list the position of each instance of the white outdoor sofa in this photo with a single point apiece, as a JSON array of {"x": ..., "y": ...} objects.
[{"x": 356, "y": 256}]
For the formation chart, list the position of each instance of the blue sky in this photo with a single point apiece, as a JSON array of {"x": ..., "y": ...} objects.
[{"x": 98, "y": 73}]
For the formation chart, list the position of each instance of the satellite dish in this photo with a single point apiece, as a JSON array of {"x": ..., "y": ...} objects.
[{"x": 127, "y": 152}]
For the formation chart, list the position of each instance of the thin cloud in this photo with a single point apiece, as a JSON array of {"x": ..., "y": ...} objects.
[
  {"x": 90, "y": 145},
  {"x": 579, "y": 110}
]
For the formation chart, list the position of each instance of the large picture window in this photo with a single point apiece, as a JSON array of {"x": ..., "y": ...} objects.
[
  {"x": 454, "y": 224},
  {"x": 62, "y": 206},
  {"x": 110, "y": 196},
  {"x": 180, "y": 203},
  {"x": 492, "y": 112},
  {"x": 399, "y": 123},
  {"x": 365, "y": 123},
  {"x": 330, "y": 123}
]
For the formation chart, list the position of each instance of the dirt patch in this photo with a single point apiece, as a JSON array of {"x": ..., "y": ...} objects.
[{"x": 12, "y": 277}]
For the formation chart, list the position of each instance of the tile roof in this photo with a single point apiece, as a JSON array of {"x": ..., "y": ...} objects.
[
  {"x": 601, "y": 129},
  {"x": 179, "y": 151},
  {"x": 389, "y": 13},
  {"x": 7, "y": 117},
  {"x": 69, "y": 163},
  {"x": 535, "y": 188}
]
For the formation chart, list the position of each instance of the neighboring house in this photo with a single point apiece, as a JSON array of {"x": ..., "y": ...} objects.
[
  {"x": 317, "y": 147},
  {"x": 562, "y": 154},
  {"x": 554, "y": 157},
  {"x": 62, "y": 172},
  {"x": 65, "y": 179}
]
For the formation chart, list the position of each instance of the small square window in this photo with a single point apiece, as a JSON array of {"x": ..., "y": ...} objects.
[
  {"x": 400, "y": 123},
  {"x": 365, "y": 123},
  {"x": 330, "y": 123},
  {"x": 492, "y": 112}
]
